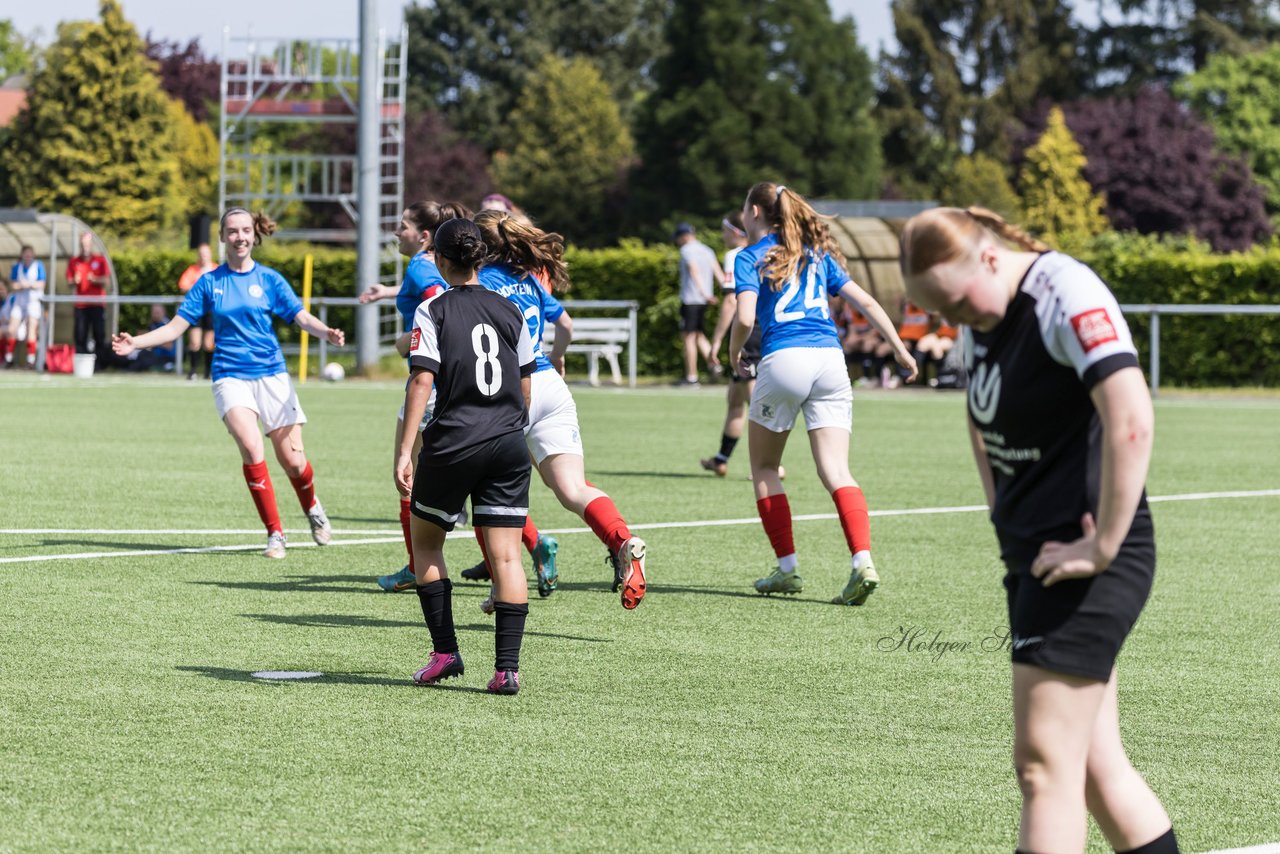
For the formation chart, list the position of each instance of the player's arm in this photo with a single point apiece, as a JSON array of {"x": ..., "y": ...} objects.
[
  {"x": 984, "y": 464},
  {"x": 307, "y": 321},
  {"x": 373, "y": 293},
  {"x": 743, "y": 319},
  {"x": 122, "y": 344},
  {"x": 1128, "y": 428},
  {"x": 402, "y": 344},
  {"x": 416, "y": 396},
  {"x": 872, "y": 311},
  {"x": 564, "y": 335},
  {"x": 728, "y": 311}
]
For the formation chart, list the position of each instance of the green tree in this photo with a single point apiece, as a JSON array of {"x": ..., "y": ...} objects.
[
  {"x": 1057, "y": 201},
  {"x": 17, "y": 53},
  {"x": 570, "y": 149},
  {"x": 196, "y": 149},
  {"x": 753, "y": 91},
  {"x": 470, "y": 59},
  {"x": 980, "y": 180},
  {"x": 961, "y": 74},
  {"x": 1240, "y": 98},
  {"x": 95, "y": 138}
]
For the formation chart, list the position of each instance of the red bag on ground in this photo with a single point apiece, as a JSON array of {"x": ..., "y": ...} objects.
[{"x": 58, "y": 358}]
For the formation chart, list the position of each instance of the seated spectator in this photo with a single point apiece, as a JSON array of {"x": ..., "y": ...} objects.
[
  {"x": 914, "y": 326},
  {"x": 156, "y": 358},
  {"x": 859, "y": 340},
  {"x": 933, "y": 347}
]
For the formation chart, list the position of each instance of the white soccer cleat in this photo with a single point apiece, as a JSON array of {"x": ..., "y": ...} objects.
[
  {"x": 320, "y": 530},
  {"x": 275, "y": 545}
]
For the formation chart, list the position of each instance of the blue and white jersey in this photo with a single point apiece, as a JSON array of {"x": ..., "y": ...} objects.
[
  {"x": 242, "y": 305},
  {"x": 538, "y": 307},
  {"x": 422, "y": 280},
  {"x": 798, "y": 314},
  {"x": 34, "y": 272}
]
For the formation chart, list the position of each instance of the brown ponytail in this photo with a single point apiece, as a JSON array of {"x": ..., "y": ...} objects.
[
  {"x": 799, "y": 229},
  {"x": 527, "y": 248},
  {"x": 942, "y": 235}
]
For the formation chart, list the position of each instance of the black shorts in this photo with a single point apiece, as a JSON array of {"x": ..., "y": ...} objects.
[
  {"x": 493, "y": 474},
  {"x": 206, "y": 322},
  {"x": 692, "y": 317},
  {"x": 1077, "y": 627}
]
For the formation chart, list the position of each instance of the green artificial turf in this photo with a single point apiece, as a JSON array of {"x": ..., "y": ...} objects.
[{"x": 708, "y": 719}]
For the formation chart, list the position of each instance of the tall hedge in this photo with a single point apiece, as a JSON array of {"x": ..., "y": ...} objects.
[
  {"x": 1231, "y": 350},
  {"x": 1195, "y": 351}
]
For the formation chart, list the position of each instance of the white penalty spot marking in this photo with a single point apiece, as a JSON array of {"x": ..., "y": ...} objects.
[{"x": 286, "y": 674}]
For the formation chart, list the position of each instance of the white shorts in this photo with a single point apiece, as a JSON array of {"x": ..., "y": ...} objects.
[
  {"x": 553, "y": 418},
  {"x": 27, "y": 306},
  {"x": 812, "y": 380},
  {"x": 272, "y": 398},
  {"x": 426, "y": 414}
]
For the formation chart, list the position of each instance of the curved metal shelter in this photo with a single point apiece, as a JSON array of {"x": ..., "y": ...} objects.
[
  {"x": 868, "y": 234},
  {"x": 55, "y": 238}
]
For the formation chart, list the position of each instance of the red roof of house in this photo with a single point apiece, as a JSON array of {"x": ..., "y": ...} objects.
[{"x": 11, "y": 100}]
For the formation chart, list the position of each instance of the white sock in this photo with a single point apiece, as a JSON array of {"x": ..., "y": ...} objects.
[
  {"x": 861, "y": 559},
  {"x": 788, "y": 563}
]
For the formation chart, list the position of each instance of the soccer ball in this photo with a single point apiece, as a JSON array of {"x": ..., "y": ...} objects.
[{"x": 333, "y": 372}]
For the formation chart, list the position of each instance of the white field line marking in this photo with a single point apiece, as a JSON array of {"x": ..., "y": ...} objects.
[
  {"x": 1265, "y": 848},
  {"x": 467, "y": 534}
]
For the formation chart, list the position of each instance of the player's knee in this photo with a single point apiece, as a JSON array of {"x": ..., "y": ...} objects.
[{"x": 1034, "y": 776}]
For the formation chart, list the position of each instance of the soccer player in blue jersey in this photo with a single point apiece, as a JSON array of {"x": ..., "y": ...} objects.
[
  {"x": 250, "y": 384},
  {"x": 517, "y": 253},
  {"x": 422, "y": 280},
  {"x": 783, "y": 280}
]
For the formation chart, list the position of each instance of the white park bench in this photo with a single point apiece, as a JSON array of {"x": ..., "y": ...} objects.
[{"x": 600, "y": 337}]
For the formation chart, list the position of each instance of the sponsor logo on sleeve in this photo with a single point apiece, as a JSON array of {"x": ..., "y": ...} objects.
[
  {"x": 416, "y": 339},
  {"x": 1094, "y": 328}
]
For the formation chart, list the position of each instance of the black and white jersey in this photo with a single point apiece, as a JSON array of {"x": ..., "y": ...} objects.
[
  {"x": 478, "y": 346},
  {"x": 1029, "y": 383}
]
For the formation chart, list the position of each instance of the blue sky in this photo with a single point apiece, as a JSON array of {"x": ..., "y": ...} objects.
[{"x": 182, "y": 20}]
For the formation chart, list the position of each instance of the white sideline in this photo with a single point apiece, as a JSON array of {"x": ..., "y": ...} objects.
[
  {"x": 396, "y": 537},
  {"x": 1265, "y": 848}
]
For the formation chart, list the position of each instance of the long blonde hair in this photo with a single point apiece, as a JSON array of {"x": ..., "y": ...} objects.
[
  {"x": 798, "y": 227},
  {"x": 526, "y": 247},
  {"x": 941, "y": 235}
]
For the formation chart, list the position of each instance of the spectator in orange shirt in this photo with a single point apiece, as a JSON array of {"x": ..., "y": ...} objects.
[
  {"x": 89, "y": 274},
  {"x": 199, "y": 338}
]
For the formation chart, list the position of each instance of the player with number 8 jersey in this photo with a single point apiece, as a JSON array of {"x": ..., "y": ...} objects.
[
  {"x": 783, "y": 281},
  {"x": 473, "y": 347}
]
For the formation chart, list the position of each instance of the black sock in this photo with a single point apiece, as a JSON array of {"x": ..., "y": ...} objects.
[
  {"x": 727, "y": 444},
  {"x": 868, "y": 367},
  {"x": 1167, "y": 843},
  {"x": 507, "y": 634},
  {"x": 208, "y": 363},
  {"x": 436, "y": 599}
]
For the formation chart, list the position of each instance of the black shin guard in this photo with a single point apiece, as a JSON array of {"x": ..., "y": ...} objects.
[
  {"x": 436, "y": 599},
  {"x": 507, "y": 634},
  {"x": 727, "y": 444}
]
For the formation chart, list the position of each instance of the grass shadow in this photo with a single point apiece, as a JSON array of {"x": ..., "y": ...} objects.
[
  {"x": 303, "y": 584},
  {"x": 665, "y": 589},
  {"x": 225, "y": 674},
  {"x": 358, "y": 621},
  {"x": 668, "y": 474}
]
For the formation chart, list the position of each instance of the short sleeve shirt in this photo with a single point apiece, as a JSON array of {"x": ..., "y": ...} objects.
[
  {"x": 798, "y": 314},
  {"x": 695, "y": 255},
  {"x": 1029, "y": 384},
  {"x": 537, "y": 306},
  {"x": 422, "y": 281},
  {"x": 478, "y": 346},
  {"x": 243, "y": 306},
  {"x": 80, "y": 269}
]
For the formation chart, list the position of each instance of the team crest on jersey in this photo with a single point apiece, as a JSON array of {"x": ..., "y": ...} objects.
[
  {"x": 1094, "y": 328},
  {"x": 417, "y": 337},
  {"x": 984, "y": 393},
  {"x": 255, "y": 291}
]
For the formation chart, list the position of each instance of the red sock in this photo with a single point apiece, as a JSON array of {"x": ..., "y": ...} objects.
[
  {"x": 775, "y": 513},
  {"x": 484, "y": 553},
  {"x": 603, "y": 517},
  {"x": 305, "y": 485},
  {"x": 264, "y": 496},
  {"x": 6, "y": 346},
  {"x": 31, "y": 349},
  {"x": 530, "y": 534},
  {"x": 851, "y": 506},
  {"x": 405, "y": 516}
]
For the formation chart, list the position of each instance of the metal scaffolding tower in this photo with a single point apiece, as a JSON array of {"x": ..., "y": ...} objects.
[{"x": 267, "y": 82}]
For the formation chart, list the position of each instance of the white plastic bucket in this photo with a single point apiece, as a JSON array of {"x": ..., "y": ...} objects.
[{"x": 82, "y": 364}]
